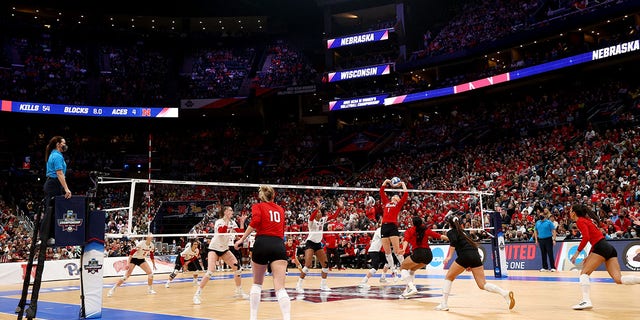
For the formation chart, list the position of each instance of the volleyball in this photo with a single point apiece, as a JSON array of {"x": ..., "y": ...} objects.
[
  {"x": 395, "y": 181},
  {"x": 369, "y": 201}
]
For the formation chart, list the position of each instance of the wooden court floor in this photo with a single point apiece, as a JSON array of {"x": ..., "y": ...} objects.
[{"x": 538, "y": 296}]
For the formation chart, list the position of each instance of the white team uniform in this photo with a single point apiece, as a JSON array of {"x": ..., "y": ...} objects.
[
  {"x": 142, "y": 250},
  {"x": 376, "y": 242},
  {"x": 188, "y": 253},
  {"x": 315, "y": 229},
  {"x": 221, "y": 241}
]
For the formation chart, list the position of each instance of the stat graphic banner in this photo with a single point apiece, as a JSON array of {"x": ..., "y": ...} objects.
[
  {"x": 592, "y": 56},
  {"x": 369, "y": 71},
  {"x": 88, "y": 111},
  {"x": 358, "y": 102},
  {"x": 354, "y": 39}
]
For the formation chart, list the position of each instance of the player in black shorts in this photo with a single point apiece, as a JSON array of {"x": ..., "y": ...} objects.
[
  {"x": 468, "y": 259},
  {"x": 602, "y": 252},
  {"x": 187, "y": 260}
]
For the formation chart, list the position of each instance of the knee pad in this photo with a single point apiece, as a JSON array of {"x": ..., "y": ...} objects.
[
  {"x": 237, "y": 266},
  {"x": 150, "y": 277},
  {"x": 255, "y": 289},
  {"x": 124, "y": 277},
  {"x": 373, "y": 271},
  {"x": 325, "y": 270},
  {"x": 209, "y": 274},
  {"x": 237, "y": 273},
  {"x": 305, "y": 270},
  {"x": 172, "y": 275}
]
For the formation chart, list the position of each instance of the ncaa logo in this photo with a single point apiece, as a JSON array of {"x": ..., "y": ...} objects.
[
  {"x": 631, "y": 257},
  {"x": 438, "y": 257},
  {"x": 482, "y": 253},
  {"x": 580, "y": 257}
]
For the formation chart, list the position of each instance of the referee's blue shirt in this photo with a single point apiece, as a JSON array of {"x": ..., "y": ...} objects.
[
  {"x": 55, "y": 163},
  {"x": 545, "y": 228}
]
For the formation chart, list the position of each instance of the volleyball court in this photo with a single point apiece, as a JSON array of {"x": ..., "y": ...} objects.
[{"x": 179, "y": 212}]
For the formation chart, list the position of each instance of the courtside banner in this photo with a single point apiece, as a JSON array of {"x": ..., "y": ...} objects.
[
  {"x": 358, "y": 102},
  {"x": 359, "y": 38},
  {"x": 69, "y": 269},
  {"x": 364, "y": 72}
]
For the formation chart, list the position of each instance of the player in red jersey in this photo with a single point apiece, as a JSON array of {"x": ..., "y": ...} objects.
[
  {"x": 389, "y": 229},
  {"x": 418, "y": 238},
  {"x": 601, "y": 252},
  {"x": 268, "y": 220},
  {"x": 292, "y": 250}
]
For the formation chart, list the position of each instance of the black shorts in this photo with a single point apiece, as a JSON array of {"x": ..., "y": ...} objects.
[
  {"x": 192, "y": 266},
  {"x": 218, "y": 253},
  {"x": 389, "y": 230},
  {"x": 138, "y": 261},
  {"x": 179, "y": 263},
  {"x": 377, "y": 260},
  {"x": 315, "y": 246},
  {"x": 422, "y": 255},
  {"x": 605, "y": 249},
  {"x": 469, "y": 259},
  {"x": 267, "y": 249}
]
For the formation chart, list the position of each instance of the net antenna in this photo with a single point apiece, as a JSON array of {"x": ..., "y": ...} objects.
[{"x": 149, "y": 186}]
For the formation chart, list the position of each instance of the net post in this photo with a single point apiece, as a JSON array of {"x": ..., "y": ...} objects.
[{"x": 498, "y": 246}]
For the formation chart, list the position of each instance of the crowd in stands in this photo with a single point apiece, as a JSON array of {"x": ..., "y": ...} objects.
[
  {"x": 217, "y": 72},
  {"x": 479, "y": 22},
  {"x": 47, "y": 67},
  {"x": 482, "y": 22},
  {"x": 285, "y": 66},
  {"x": 132, "y": 73},
  {"x": 539, "y": 152},
  {"x": 534, "y": 151}
]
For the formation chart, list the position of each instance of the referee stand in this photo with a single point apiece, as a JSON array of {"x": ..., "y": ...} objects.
[
  {"x": 72, "y": 227},
  {"x": 38, "y": 244}
]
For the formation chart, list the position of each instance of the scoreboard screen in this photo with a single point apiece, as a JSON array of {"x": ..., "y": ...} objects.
[{"x": 89, "y": 111}]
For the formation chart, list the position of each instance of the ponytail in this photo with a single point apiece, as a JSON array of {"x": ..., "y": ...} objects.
[
  {"x": 454, "y": 223},
  {"x": 583, "y": 211},
  {"x": 420, "y": 228},
  {"x": 50, "y": 146}
]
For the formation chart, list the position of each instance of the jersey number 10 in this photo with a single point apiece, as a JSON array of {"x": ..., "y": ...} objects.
[{"x": 274, "y": 216}]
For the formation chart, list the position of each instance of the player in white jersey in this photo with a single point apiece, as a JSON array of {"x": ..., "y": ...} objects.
[
  {"x": 187, "y": 260},
  {"x": 224, "y": 228},
  {"x": 377, "y": 260},
  {"x": 137, "y": 257},
  {"x": 313, "y": 245}
]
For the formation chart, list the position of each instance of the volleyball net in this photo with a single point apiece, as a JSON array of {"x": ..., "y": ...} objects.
[{"x": 173, "y": 208}]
